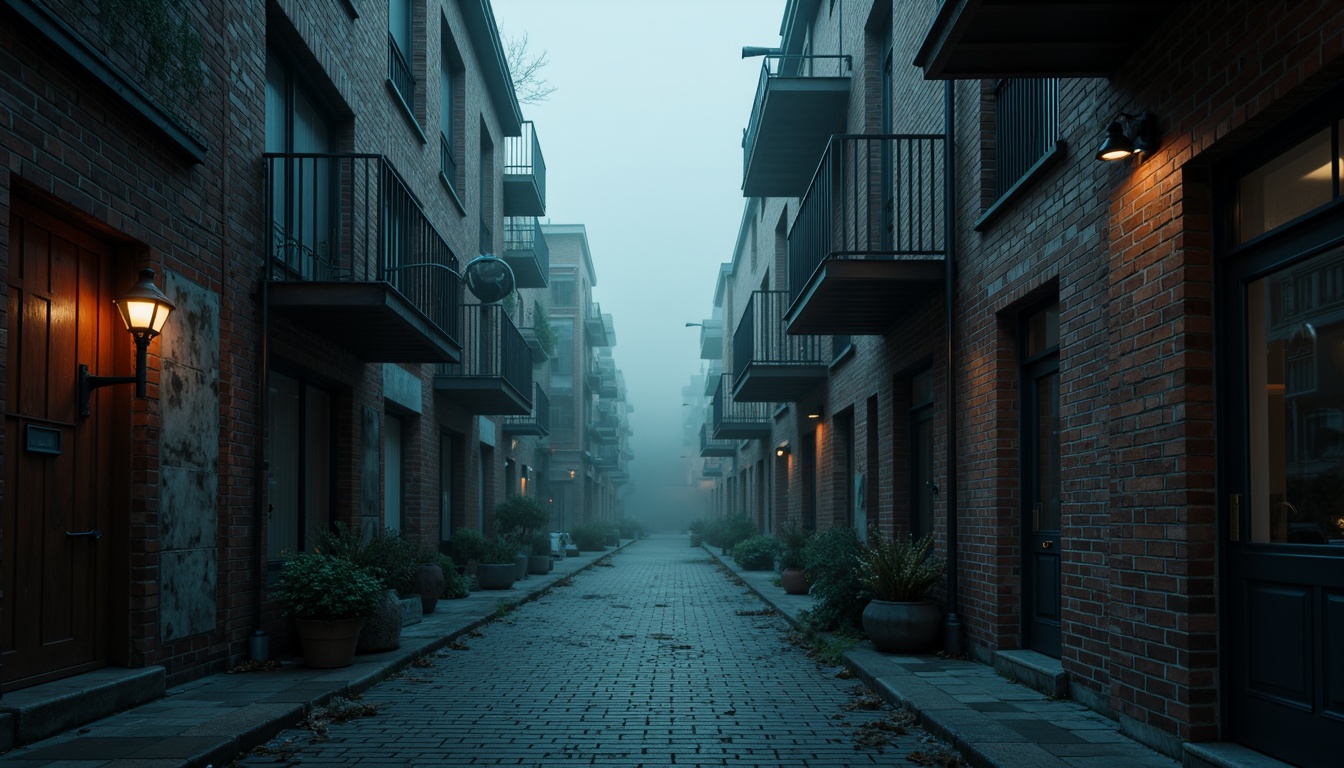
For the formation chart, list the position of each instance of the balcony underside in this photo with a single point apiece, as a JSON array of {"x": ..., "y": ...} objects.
[
  {"x": 863, "y": 297},
  {"x": 371, "y": 319},
  {"x": 776, "y": 383},
  {"x": 523, "y": 195},
  {"x": 534, "y": 345},
  {"x": 742, "y": 430},
  {"x": 524, "y": 428},
  {"x": 973, "y": 39},
  {"x": 798, "y": 116},
  {"x": 720, "y": 449},
  {"x": 527, "y": 271},
  {"x": 483, "y": 395}
]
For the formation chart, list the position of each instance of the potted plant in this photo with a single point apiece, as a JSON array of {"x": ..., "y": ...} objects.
[
  {"x": 590, "y": 537},
  {"x": 467, "y": 548},
  {"x": 838, "y": 596},
  {"x": 697, "y": 532},
  {"x": 329, "y": 598},
  {"x": 756, "y": 553},
  {"x": 393, "y": 561},
  {"x": 793, "y": 560},
  {"x": 539, "y": 557},
  {"x": 497, "y": 569},
  {"x": 902, "y": 616}
]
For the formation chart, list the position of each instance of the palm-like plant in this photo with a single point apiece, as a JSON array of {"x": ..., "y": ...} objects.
[{"x": 899, "y": 570}]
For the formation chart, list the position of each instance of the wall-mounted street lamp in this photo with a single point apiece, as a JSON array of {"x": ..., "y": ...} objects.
[
  {"x": 1129, "y": 135},
  {"x": 144, "y": 309}
]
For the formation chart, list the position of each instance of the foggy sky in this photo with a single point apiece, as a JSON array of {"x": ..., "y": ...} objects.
[{"x": 643, "y": 146}]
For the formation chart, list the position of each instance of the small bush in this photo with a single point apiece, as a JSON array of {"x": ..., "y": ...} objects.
[
  {"x": 455, "y": 585},
  {"x": 590, "y": 537},
  {"x": 630, "y": 529},
  {"x": 327, "y": 588},
  {"x": 833, "y": 569},
  {"x": 499, "y": 552},
  {"x": 792, "y": 547},
  {"x": 383, "y": 553},
  {"x": 467, "y": 546},
  {"x": 541, "y": 544},
  {"x": 899, "y": 570},
  {"x": 521, "y": 515},
  {"x": 729, "y": 531},
  {"x": 756, "y": 553}
]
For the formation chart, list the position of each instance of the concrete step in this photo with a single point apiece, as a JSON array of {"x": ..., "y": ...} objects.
[
  {"x": 36, "y": 713},
  {"x": 1034, "y": 670},
  {"x": 1226, "y": 755}
]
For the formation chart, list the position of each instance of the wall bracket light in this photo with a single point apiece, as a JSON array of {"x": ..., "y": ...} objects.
[
  {"x": 1129, "y": 135},
  {"x": 144, "y": 309}
]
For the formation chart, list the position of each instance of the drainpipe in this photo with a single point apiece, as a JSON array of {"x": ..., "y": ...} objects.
[
  {"x": 259, "y": 643},
  {"x": 952, "y": 637}
]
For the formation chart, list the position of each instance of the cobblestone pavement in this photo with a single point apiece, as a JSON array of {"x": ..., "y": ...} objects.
[{"x": 662, "y": 659}]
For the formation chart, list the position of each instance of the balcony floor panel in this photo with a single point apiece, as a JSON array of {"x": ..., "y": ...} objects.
[
  {"x": 371, "y": 319},
  {"x": 741, "y": 430},
  {"x": 522, "y": 195},
  {"x": 797, "y": 118},
  {"x": 527, "y": 272},
  {"x": 719, "y": 451},
  {"x": 772, "y": 383},
  {"x": 533, "y": 429},
  {"x": 863, "y": 297},
  {"x": 483, "y": 395}
]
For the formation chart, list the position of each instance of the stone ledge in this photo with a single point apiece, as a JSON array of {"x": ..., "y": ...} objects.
[
  {"x": 46, "y": 710},
  {"x": 1226, "y": 755},
  {"x": 1034, "y": 670}
]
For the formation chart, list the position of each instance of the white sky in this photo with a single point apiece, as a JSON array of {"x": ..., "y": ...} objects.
[{"x": 643, "y": 146}]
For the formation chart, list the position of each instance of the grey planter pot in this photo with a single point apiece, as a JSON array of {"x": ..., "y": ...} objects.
[
  {"x": 496, "y": 575},
  {"x": 520, "y": 567},
  {"x": 902, "y": 627},
  {"x": 382, "y": 630},
  {"x": 538, "y": 565}
]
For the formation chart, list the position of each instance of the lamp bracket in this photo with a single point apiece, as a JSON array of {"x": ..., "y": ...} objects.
[{"x": 89, "y": 382}]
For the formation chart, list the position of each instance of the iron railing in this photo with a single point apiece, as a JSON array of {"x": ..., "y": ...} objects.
[
  {"x": 729, "y": 412},
  {"x": 762, "y": 337},
  {"x": 399, "y": 72},
  {"x": 538, "y": 422},
  {"x": 877, "y": 197},
  {"x": 447, "y": 161},
  {"x": 522, "y": 157},
  {"x": 1026, "y": 127},
  {"x": 523, "y": 233},
  {"x": 351, "y": 217},
  {"x": 790, "y": 66},
  {"x": 716, "y": 445},
  {"x": 492, "y": 348}
]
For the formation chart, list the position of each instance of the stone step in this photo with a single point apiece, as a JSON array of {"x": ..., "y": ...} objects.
[
  {"x": 35, "y": 713},
  {"x": 1226, "y": 755},
  {"x": 1034, "y": 670}
]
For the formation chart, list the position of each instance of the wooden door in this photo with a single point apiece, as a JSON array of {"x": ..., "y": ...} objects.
[{"x": 57, "y": 502}]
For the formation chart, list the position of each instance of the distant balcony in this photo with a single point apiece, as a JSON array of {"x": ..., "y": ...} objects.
[
  {"x": 606, "y": 381},
  {"x": 495, "y": 375},
  {"x": 606, "y": 457},
  {"x": 710, "y": 446},
  {"x": 800, "y": 102},
  {"x": 773, "y": 366},
  {"x": 526, "y": 252},
  {"x": 605, "y": 429},
  {"x": 538, "y": 422},
  {"x": 867, "y": 247},
  {"x": 524, "y": 174},
  {"x": 353, "y": 258},
  {"x": 711, "y": 339},
  {"x": 712, "y": 468},
  {"x": 990, "y": 39},
  {"x": 735, "y": 420},
  {"x": 594, "y": 327},
  {"x": 712, "y": 378},
  {"x": 618, "y": 476}
]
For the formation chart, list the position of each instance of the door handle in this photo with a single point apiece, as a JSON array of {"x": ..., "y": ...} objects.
[
  {"x": 95, "y": 534},
  {"x": 1047, "y": 544}
]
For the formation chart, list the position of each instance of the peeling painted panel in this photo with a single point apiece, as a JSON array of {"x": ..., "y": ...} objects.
[
  {"x": 187, "y": 599},
  {"x": 187, "y": 508}
]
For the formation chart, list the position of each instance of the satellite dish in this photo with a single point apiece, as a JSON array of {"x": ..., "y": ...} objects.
[{"x": 488, "y": 277}]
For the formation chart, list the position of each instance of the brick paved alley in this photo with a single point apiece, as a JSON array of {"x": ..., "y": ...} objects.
[{"x": 660, "y": 659}]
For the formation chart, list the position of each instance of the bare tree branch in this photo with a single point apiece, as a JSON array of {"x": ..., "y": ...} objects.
[{"x": 525, "y": 70}]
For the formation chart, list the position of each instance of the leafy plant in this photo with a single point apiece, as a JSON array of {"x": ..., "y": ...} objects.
[
  {"x": 727, "y": 532},
  {"x": 899, "y": 569},
  {"x": 630, "y": 529},
  {"x": 499, "y": 552},
  {"x": 541, "y": 545},
  {"x": 792, "y": 545},
  {"x": 832, "y": 562},
  {"x": 325, "y": 587},
  {"x": 521, "y": 515},
  {"x": 383, "y": 552},
  {"x": 756, "y": 553},
  {"x": 467, "y": 546},
  {"x": 590, "y": 537},
  {"x": 455, "y": 585},
  {"x": 542, "y": 325}
]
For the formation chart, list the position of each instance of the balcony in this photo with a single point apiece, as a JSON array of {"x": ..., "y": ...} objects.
[
  {"x": 772, "y": 365},
  {"x": 800, "y": 102},
  {"x": 595, "y": 327},
  {"x": 353, "y": 258},
  {"x": 606, "y": 428},
  {"x": 987, "y": 39},
  {"x": 712, "y": 468},
  {"x": 712, "y": 378},
  {"x": 524, "y": 174},
  {"x": 606, "y": 379},
  {"x": 538, "y": 422},
  {"x": 525, "y": 252},
  {"x": 495, "y": 374},
  {"x": 735, "y": 420},
  {"x": 710, "y": 446},
  {"x": 606, "y": 457},
  {"x": 867, "y": 247},
  {"x": 711, "y": 339}
]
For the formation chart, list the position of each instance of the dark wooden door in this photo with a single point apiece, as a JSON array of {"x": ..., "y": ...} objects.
[
  {"x": 57, "y": 485},
  {"x": 1041, "y": 511}
]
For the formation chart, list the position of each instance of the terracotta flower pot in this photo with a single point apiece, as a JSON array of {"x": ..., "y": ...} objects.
[
  {"x": 429, "y": 578},
  {"x": 794, "y": 581},
  {"x": 328, "y": 644}
]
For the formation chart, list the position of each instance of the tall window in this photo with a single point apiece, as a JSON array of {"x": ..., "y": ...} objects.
[
  {"x": 301, "y": 182},
  {"x": 485, "y": 198},
  {"x": 301, "y": 464},
  {"x": 564, "y": 291},
  {"x": 392, "y": 472},
  {"x": 1026, "y": 128},
  {"x": 450, "y": 63},
  {"x": 399, "y": 51},
  {"x": 921, "y": 453}
]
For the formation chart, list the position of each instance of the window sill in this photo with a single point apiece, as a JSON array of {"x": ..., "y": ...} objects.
[
  {"x": 840, "y": 359},
  {"x": 406, "y": 112},
  {"x": 1019, "y": 187},
  {"x": 350, "y": 9}
]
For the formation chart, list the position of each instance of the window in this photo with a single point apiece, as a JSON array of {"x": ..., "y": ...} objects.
[
  {"x": 301, "y": 181},
  {"x": 392, "y": 472},
  {"x": 301, "y": 465},
  {"x": 921, "y": 453},
  {"x": 399, "y": 51},
  {"x": 485, "y": 198},
  {"x": 564, "y": 291},
  {"x": 450, "y": 91},
  {"x": 1295, "y": 182},
  {"x": 1026, "y": 128}
]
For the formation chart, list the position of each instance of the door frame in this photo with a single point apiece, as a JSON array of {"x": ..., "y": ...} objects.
[{"x": 1045, "y": 637}]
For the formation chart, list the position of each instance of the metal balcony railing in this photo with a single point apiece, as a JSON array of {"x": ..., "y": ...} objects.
[
  {"x": 734, "y": 419},
  {"x": 873, "y": 197},
  {"x": 399, "y": 72},
  {"x": 522, "y": 157},
  {"x": 351, "y": 217},
  {"x": 761, "y": 336},
  {"x": 711, "y": 446},
  {"x": 789, "y": 66},
  {"x": 538, "y": 422},
  {"x": 492, "y": 347},
  {"x": 523, "y": 233}
]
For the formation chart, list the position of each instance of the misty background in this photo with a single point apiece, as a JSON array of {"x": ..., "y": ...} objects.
[{"x": 643, "y": 144}]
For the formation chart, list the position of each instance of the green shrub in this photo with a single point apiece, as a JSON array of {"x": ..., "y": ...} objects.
[
  {"x": 499, "y": 551},
  {"x": 455, "y": 585},
  {"x": 756, "y": 553},
  {"x": 630, "y": 529},
  {"x": 521, "y": 515},
  {"x": 383, "y": 552},
  {"x": 590, "y": 537},
  {"x": 832, "y": 568},
  {"x": 541, "y": 544},
  {"x": 735, "y": 529},
  {"x": 325, "y": 587},
  {"x": 899, "y": 570},
  {"x": 467, "y": 546},
  {"x": 792, "y": 547}
]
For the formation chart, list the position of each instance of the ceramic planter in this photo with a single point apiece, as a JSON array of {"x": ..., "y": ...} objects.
[
  {"x": 794, "y": 581},
  {"x": 496, "y": 575},
  {"x": 430, "y": 582},
  {"x": 382, "y": 629},
  {"x": 902, "y": 627},
  {"x": 328, "y": 644},
  {"x": 538, "y": 565},
  {"x": 520, "y": 567}
]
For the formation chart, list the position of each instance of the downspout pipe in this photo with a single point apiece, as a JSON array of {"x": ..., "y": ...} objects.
[
  {"x": 952, "y": 629},
  {"x": 258, "y": 644}
]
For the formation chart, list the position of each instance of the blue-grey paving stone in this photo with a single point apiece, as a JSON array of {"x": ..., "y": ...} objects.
[{"x": 647, "y": 663}]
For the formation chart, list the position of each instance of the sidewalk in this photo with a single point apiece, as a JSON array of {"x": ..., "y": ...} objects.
[
  {"x": 993, "y": 721},
  {"x": 213, "y": 720}
]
